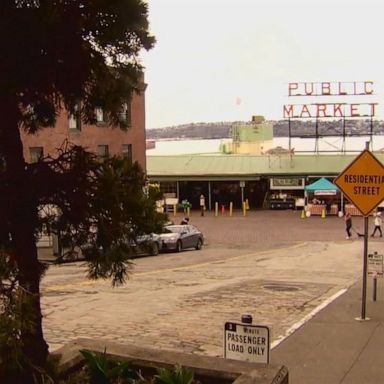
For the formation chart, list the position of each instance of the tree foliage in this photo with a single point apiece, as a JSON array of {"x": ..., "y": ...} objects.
[
  {"x": 56, "y": 53},
  {"x": 97, "y": 206},
  {"x": 100, "y": 207},
  {"x": 75, "y": 55}
]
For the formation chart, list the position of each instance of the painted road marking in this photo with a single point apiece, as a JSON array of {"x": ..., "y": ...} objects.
[
  {"x": 308, "y": 317},
  {"x": 61, "y": 287}
]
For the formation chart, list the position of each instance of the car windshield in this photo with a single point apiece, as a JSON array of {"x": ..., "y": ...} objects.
[{"x": 174, "y": 229}]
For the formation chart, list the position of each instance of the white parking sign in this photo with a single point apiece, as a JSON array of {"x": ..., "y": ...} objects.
[
  {"x": 246, "y": 342},
  {"x": 375, "y": 264}
]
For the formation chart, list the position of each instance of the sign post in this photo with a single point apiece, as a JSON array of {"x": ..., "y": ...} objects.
[
  {"x": 365, "y": 271},
  {"x": 363, "y": 183},
  {"x": 242, "y": 185},
  {"x": 375, "y": 269}
]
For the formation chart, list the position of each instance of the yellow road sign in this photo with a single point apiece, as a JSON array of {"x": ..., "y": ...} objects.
[{"x": 363, "y": 182}]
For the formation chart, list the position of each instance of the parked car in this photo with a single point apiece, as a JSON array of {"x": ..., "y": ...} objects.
[
  {"x": 148, "y": 244},
  {"x": 144, "y": 245},
  {"x": 179, "y": 237}
]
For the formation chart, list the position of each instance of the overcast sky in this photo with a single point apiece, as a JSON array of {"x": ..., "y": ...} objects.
[{"x": 226, "y": 60}]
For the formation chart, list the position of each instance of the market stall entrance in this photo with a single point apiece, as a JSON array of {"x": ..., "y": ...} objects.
[{"x": 323, "y": 196}]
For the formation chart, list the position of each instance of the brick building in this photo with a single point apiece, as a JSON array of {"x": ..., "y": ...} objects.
[{"x": 100, "y": 138}]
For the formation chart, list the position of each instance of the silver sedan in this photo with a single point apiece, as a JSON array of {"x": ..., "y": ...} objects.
[{"x": 179, "y": 237}]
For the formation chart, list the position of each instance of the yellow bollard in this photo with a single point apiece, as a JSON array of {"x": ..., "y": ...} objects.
[
  {"x": 244, "y": 208},
  {"x": 246, "y": 204},
  {"x": 230, "y": 208},
  {"x": 174, "y": 209},
  {"x": 188, "y": 211},
  {"x": 216, "y": 209},
  {"x": 303, "y": 214},
  {"x": 323, "y": 213}
]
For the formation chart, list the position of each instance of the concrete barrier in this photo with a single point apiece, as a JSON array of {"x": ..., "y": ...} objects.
[{"x": 212, "y": 370}]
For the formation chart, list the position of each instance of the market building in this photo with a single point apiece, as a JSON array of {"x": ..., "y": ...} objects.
[
  {"x": 235, "y": 178},
  {"x": 249, "y": 169}
]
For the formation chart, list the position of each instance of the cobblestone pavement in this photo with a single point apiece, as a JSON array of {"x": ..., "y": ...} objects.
[{"x": 273, "y": 265}]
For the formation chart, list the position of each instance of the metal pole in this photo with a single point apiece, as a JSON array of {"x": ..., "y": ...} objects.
[
  {"x": 289, "y": 133},
  {"x": 209, "y": 196},
  {"x": 365, "y": 265},
  {"x": 305, "y": 200},
  {"x": 374, "y": 288},
  {"x": 365, "y": 262},
  {"x": 246, "y": 319},
  {"x": 371, "y": 134}
]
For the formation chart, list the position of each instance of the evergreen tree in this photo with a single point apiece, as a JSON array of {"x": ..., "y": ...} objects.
[{"x": 77, "y": 55}]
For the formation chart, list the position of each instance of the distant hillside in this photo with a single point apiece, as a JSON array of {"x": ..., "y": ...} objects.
[
  {"x": 192, "y": 131},
  {"x": 221, "y": 130}
]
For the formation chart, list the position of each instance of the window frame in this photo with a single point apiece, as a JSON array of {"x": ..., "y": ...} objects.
[
  {"x": 76, "y": 118},
  {"x": 125, "y": 115},
  {"x": 36, "y": 153},
  {"x": 128, "y": 153},
  {"x": 105, "y": 153}
]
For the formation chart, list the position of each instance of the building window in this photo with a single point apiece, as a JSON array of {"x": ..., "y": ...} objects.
[
  {"x": 74, "y": 120},
  {"x": 36, "y": 153},
  {"x": 126, "y": 114},
  {"x": 126, "y": 150},
  {"x": 99, "y": 113},
  {"x": 103, "y": 151}
]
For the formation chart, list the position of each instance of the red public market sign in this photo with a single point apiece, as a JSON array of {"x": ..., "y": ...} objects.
[{"x": 334, "y": 109}]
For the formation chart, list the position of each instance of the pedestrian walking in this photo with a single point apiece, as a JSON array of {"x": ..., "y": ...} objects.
[
  {"x": 348, "y": 225},
  {"x": 377, "y": 221},
  {"x": 202, "y": 204},
  {"x": 328, "y": 206}
]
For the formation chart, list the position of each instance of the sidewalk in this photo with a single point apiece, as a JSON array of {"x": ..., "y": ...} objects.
[{"x": 333, "y": 347}]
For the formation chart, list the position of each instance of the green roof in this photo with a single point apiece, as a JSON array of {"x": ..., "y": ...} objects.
[{"x": 198, "y": 167}]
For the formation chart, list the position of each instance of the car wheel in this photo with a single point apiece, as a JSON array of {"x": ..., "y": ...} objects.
[
  {"x": 179, "y": 246},
  {"x": 155, "y": 249},
  {"x": 199, "y": 244}
]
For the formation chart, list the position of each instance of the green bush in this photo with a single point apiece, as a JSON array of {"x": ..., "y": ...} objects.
[
  {"x": 178, "y": 375},
  {"x": 101, "y": 369}
]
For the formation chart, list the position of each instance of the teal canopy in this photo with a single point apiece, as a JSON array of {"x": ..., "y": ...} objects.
[{"x": 321, "y": 185}]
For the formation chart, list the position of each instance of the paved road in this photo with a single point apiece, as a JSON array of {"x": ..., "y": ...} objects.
[{"x": 273, "y": 265}]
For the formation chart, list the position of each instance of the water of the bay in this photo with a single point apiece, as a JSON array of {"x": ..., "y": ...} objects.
[{"x": 330, "y": 144}]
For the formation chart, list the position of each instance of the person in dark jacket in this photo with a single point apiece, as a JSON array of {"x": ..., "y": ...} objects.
[{"x": 348, "y": 225}]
